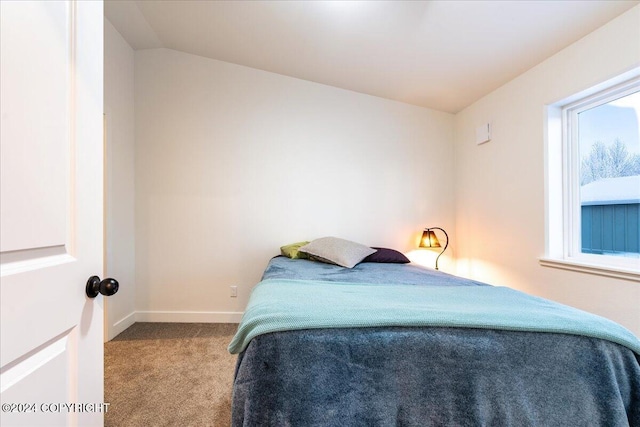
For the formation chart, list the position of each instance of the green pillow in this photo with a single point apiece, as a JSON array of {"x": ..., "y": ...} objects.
[{"x": 291, "y": 251}]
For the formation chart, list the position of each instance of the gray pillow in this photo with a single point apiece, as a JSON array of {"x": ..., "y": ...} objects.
[{"x": 337, "y": 251}]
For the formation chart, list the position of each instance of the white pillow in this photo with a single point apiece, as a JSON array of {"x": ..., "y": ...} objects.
[{"x": 337, "y": 251}]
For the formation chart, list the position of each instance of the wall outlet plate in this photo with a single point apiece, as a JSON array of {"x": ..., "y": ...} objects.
[{"x": 234, "y": 291}]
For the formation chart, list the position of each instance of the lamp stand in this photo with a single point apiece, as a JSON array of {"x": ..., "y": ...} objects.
[{"x": 445, "y": 246}]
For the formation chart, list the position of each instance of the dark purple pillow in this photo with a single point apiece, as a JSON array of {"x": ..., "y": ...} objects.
[{"x": 386, "y": 255}]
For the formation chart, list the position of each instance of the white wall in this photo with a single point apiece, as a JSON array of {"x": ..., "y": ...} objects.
[
  {"x": 233, "y": 162},
  {"x": 119, "y": 203},
  {"x": 500, "y": 201}
]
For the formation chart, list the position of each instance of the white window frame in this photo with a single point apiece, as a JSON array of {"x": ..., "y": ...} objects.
[{"x": 563, "y": 247}]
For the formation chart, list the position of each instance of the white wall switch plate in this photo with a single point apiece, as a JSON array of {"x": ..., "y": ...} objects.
[{"x": 483, "y": 133}]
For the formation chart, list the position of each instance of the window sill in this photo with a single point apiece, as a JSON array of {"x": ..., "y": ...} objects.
[{"x": 599, "y": 270}]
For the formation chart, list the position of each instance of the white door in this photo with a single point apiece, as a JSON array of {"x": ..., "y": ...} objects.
[{"x": 51, "y": 212}]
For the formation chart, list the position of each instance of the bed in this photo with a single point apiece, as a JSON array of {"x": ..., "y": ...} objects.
[{"x": 385, "y": 344}]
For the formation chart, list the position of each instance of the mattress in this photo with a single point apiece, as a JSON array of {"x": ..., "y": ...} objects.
[{"x": 319, "y": 369}]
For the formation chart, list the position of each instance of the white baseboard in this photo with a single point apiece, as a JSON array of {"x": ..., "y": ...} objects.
[
  {"x": 189, "y": 316},
  {"x": 121, "y": 325}
]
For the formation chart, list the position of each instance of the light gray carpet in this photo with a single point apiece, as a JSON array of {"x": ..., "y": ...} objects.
[{"x": 169, "y": 374}]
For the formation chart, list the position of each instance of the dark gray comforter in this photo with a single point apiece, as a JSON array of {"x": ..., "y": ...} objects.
[{"x": 429, "y": 376}]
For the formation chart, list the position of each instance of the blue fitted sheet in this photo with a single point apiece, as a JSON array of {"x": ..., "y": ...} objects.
[{"x": 282, "y": 267}]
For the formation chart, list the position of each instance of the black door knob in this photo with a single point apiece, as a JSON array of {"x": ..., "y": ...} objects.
[{"x": 105, "y": 287}]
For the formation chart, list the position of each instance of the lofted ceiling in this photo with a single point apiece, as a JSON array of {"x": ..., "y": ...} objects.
[{"x": 440, "y": 54}]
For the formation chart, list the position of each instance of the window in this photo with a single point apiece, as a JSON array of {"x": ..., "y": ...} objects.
[
  {"x": 605, "y": 135},
  {"x": 593, "y": 182}
]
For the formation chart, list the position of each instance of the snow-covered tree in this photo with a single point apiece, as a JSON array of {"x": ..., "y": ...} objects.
[{"x": 608, "y": 162}]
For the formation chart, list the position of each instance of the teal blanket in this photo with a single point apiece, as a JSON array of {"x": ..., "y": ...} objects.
[{"x": 281, "y": 305}]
